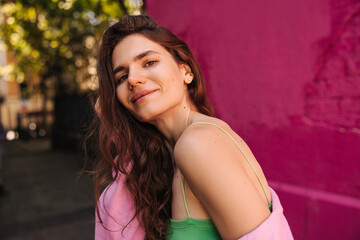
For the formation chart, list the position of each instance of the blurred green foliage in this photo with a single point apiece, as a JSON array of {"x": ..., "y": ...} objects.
[{"x": 55, "y": 40}]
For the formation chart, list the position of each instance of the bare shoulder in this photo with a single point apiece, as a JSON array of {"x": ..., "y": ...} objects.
[
  {"x": 200, "y": 136},
  {"x": 214, "y": 169},
  {"x": 208, "y": 144}
]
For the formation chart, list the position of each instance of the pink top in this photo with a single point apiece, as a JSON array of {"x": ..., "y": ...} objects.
[
  {"x": 117, "y": 208},
  {"x": 274, "y": 227}
]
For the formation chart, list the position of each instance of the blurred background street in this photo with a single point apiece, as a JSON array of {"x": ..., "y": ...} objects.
[{"x": 44, "y": 198}]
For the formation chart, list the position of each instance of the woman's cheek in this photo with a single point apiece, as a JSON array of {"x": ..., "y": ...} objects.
[{"x": 121, "y": 95}]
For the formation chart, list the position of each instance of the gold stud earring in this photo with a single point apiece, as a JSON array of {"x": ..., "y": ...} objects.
[{"x": 189, "y": 79}]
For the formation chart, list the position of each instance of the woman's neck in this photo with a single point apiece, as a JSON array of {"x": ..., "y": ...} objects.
[{"x": 172, "y": 124}]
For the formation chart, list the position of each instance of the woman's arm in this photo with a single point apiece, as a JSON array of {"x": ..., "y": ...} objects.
[{"x": 214, "y": 169}]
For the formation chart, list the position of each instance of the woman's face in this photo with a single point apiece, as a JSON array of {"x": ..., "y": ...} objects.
[{"x": 150, "y": 83}]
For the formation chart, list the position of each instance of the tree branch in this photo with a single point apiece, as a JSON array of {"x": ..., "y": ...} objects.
[{"x": 123, "y": 7}]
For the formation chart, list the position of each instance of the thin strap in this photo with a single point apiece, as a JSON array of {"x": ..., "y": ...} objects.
[
  {"x": 257, "y": 176},
  {"x": 183, "y": 192}
]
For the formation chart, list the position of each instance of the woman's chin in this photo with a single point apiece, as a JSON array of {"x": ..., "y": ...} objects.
[{"x": 148, "y": 118}]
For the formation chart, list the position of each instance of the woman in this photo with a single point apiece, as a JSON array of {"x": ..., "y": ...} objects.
[{"x": 179, "y": 173}]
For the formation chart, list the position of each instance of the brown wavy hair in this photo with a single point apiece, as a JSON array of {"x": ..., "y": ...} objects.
[{"x": 140, "y": 144}]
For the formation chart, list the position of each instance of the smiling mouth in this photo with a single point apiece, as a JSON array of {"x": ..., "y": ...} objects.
[{"x": 139, "y": 95}]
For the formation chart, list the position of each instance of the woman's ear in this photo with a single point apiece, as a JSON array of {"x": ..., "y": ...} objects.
[
  {"x": 184, "y": 68},
  {"x": 187, "y": 74}
]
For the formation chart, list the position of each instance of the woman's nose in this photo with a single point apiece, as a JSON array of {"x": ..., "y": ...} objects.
[{"x": 135, "y": 78}]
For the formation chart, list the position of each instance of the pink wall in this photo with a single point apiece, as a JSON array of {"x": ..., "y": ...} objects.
[{"x": 286, "y": 76}]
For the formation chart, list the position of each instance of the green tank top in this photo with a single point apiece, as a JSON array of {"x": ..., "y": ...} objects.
[
  {"x": 198, "y": 229},
  {"x": 191, "y": 228}
]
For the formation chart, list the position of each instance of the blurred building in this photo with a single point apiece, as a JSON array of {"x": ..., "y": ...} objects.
[{"x": 14, "y": 105}]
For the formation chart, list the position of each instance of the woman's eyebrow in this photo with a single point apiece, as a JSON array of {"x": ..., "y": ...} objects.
[
  {"x": 136, "y": 58},
  {"x": 144, "y": 54}
]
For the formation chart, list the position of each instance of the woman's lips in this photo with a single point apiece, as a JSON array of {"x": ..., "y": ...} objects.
[{"x": 138, "y": 95}]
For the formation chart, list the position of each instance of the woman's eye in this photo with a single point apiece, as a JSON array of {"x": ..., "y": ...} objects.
[
  {"x": 149, "y": 63},
  {"x": 122, "y": 78}
]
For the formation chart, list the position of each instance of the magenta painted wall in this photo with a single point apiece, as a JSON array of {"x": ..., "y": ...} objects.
[{"x": 286, "y": 76}]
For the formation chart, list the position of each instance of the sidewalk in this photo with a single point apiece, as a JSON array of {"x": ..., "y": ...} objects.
[{"x": 44, "y": 200}]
